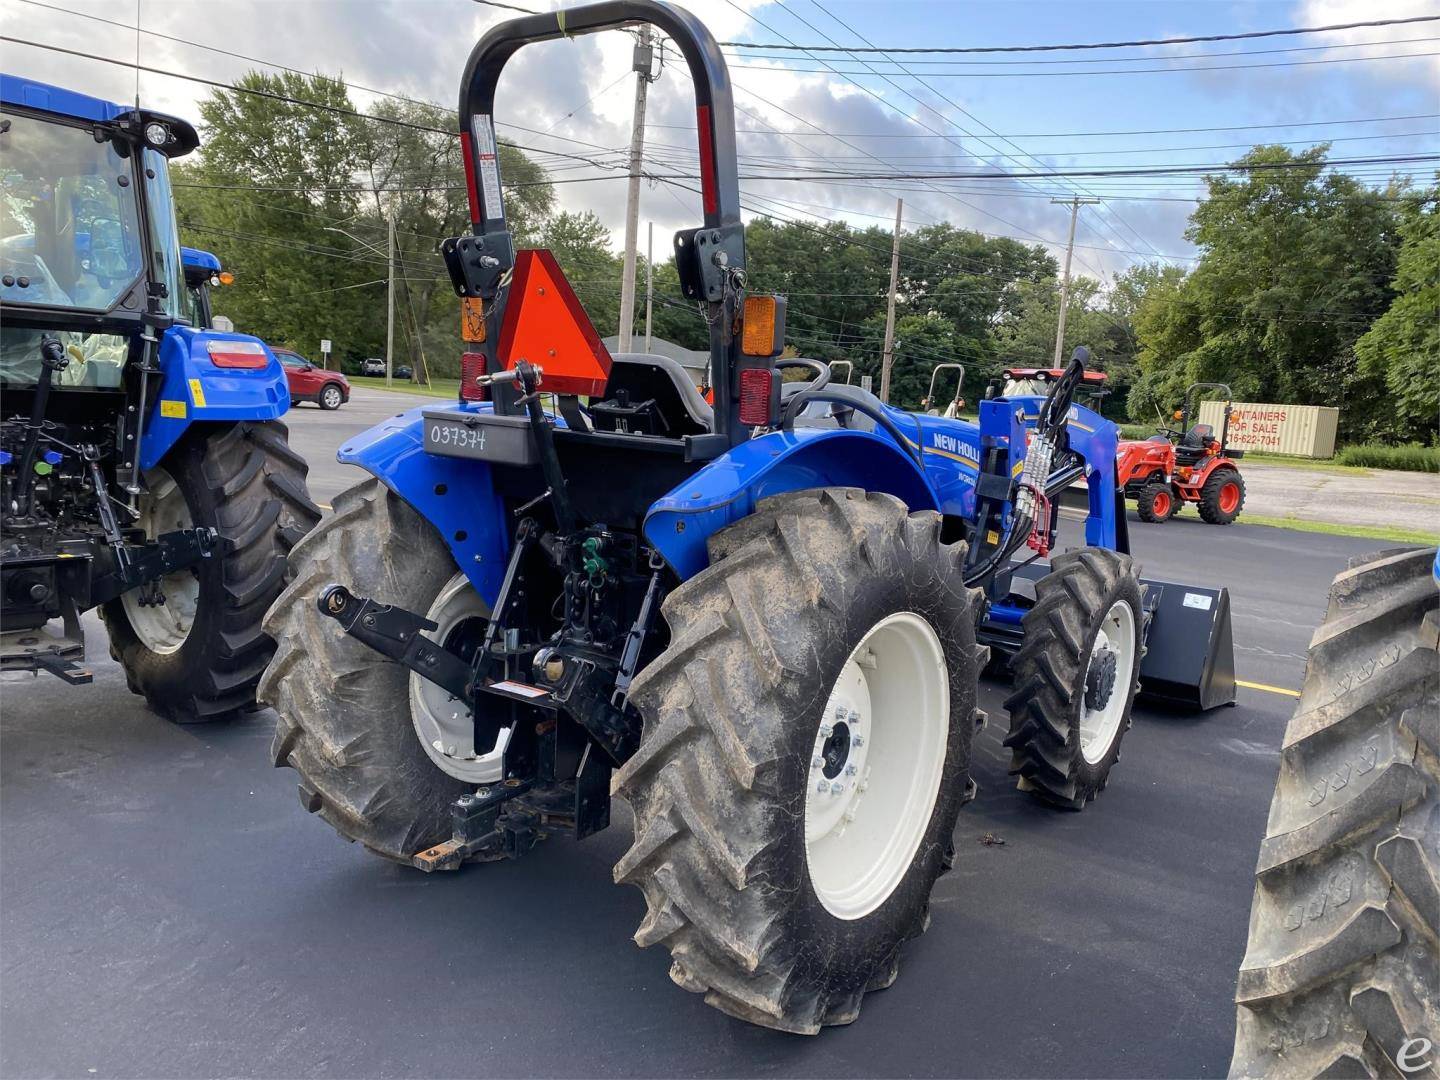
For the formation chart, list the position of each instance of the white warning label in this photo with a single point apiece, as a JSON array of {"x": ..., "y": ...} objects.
[{"x": 485, "y": 155}]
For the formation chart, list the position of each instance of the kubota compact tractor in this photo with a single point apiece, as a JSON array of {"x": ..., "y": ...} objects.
[
  {"x": 1190, "y": 464},
  {"x": 766, "y": 616}
]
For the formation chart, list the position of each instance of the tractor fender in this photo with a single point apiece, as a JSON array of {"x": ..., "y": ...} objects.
[
  {"x": 454, "y": 495},
  {"x": 1214, "y": 465},
  {"x": 729, "y": 488},
  {"x": 192, "y": 389}
]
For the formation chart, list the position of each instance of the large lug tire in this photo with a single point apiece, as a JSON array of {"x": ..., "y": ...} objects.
[
  {"x": 203, "y": 662},
  {"x": 1222, "y": 497},
  {"x": 1156, "y": 503},
  {"x": 345, "y": 716},
  {"x": 1070, "y": 707},
  {"x": 770, "y": 926},
  {"x": 1340, "y": 976}
]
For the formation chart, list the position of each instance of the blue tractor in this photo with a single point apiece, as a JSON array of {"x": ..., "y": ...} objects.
[
  {"x": 761, "y": 622},
  {"x": 144, "y": 470}
]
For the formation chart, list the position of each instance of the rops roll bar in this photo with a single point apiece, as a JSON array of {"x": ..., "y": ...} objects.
[{"x": 711, "y": 259}]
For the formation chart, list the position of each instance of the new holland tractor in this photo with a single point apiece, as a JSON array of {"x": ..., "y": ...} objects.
[
  {"x": 143, "y": 468},
  {"x": 761, "y": 623}
]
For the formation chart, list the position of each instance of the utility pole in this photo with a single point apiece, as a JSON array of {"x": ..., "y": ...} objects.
[
  {"x": 888, "y": 356},
  {"x": 1074, "y": 202},
  {"x": 641, "y": 64},
  {"x": 649, "y": 284},
  {"x": 390, "y": 301}
]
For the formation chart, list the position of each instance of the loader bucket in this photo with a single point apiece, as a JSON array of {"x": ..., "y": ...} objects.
[{"x": 1189, "y": 660}]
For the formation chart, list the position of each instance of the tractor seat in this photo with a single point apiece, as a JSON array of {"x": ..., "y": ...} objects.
[
  {"x": 663, "y": 380},
  {"x": 1197, "y": 437},
  {"x": 831, "y": 414}
]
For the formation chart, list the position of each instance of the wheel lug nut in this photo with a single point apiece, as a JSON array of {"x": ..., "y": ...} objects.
[
  {"x": 858, "y": 741},
  {"x": 854, "y": 717},
  {"x": 816, "y": 761},
  {"x": 851, "y": 770},
  {"x": 836, "y": 788},
  {"x": 839, "y": 712},
  {"x": 825, "y": 731},
  {"x": 822, "y": 787}
]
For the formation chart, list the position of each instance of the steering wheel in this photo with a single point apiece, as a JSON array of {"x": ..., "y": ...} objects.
[{"x": 821, "y": 369}]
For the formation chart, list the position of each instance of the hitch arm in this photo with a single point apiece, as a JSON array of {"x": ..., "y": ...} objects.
[{"x": 395, "y": 633}]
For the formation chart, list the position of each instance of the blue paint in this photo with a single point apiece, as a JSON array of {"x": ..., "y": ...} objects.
[
  {"x": 195, "y": 259},
  {"x": 454, "y": 495},
  {"x": 228, "y": 394},
  {"x": 728, "y": 488},
  {"x": 33, "y": 94},
  {"x": 50, "y": 457}
]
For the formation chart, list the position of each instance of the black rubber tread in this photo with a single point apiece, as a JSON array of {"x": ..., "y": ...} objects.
[
  {"x": 1209, "y": 503},
  {"x": 1145, "y": 503},
  {"x": 344, "y": 711},
  {"x": 1340, "y": 970},
  {"x": 1049, "y": 675},
  {"x": 731, "y": 709},
  {"x": 246, "y": 481}
]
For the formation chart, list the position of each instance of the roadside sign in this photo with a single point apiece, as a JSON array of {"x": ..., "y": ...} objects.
[
  {"x": 325, "y": 344},
  {"x": 866, "y": 382}
]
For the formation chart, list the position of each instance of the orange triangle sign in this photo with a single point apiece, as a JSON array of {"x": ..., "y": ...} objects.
[{"x": 545, "y": 325}]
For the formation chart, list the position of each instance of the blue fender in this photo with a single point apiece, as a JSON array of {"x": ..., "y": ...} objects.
[
  {"x": 192, "y": 390},
  {"x": 456, "y": 496},
  {"x": 728, "y": 488}
]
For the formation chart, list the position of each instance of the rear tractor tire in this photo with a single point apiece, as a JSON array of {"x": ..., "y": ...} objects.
[
  {"x": 1075, "y": 677},
  {"x": 1156, "y": 503},
  {"x": 1222, "y": 497},
  {"x": 805, "y": 753},
  {"x": 1340, "y": 976},
  {"x": 199, "y": 655},
  {"x": 382, "y": 754}
]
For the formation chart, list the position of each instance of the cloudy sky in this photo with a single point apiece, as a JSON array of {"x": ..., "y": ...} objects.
[{"x": 800, "y": 111}]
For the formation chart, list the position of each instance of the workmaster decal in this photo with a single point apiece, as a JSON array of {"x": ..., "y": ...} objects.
[
  {"x": 197, "y": 393},
  {"x": 173, "y": 409}
]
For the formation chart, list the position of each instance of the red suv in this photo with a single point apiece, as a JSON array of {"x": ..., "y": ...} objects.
[{"x": 328, "y": 389}]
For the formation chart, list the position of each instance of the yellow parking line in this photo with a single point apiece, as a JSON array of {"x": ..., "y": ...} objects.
[{"x": 1267, "y": 688}]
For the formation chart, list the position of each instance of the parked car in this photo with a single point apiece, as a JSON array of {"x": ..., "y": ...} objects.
[
  {"x": 372, "y": 366},
  {"x": 328, "y": 389},
  {"x": 404, "y": 371}
]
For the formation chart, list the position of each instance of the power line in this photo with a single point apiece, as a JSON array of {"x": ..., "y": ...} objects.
[
  {"x": 1074, "y": 134},
  {"x": 791, "y": 46},
  {"x": 1099, "y": 71}
]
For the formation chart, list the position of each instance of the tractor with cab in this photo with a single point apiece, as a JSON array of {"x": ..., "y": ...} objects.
[
  {"x": 1188, "y": 464},
  {"x": 144, "y": 470},
  {"x": 760, "y": 621}
]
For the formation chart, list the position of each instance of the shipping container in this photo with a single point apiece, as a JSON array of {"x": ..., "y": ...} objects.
[{"x": 1302, "y": 430}]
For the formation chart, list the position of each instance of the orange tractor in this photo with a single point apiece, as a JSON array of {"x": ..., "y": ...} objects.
[{"x": 1174, "y": 467}]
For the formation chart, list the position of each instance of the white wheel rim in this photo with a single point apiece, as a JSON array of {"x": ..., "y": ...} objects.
[
  {"x": 443, "y": 723},
  {"x": 879, "y": 754},
  {"x": 1103, "y": 706},
  {"x": 163, "y": 628},
  {"x": 331, "y": 396}
]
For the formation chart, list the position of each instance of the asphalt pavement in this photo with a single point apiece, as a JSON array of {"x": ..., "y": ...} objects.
[{"x": 167, "y": 909}]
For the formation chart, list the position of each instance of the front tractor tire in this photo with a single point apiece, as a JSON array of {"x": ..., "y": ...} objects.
[
  {"x": 199, "y": 655},
  {"x": 805, "y": 753},
  {"x": 1075, "y": 677},
  {"x": 1340, "y": 975},
  {"x": 1156, "y": 503},
  {"x": 1222, "y": 497},
  {"x": 348, "y": 716}
]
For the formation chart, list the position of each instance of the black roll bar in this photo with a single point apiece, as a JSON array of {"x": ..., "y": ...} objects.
[
  {"x": 1192, "y": 394},
  {"x": 711, "y": 259}
]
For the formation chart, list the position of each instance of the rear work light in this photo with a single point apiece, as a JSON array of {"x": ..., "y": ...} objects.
[
  {"x": 755, "y": 387},
  {"x": 237, "y": 354},
  {"x": 472, "y": 366}
]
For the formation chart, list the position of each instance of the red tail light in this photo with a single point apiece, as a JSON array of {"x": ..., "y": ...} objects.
[
  {"x": 755, "y": 385},
  {"x": 467, "y": 151},
  {"x": 472, "y": 366},
  {"x": 237, "y": 354},
  {"x": 709, "y": 197}
]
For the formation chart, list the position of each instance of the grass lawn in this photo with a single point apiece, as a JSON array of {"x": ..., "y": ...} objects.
[
  {"x": 1371, "y": 532},
  {"x": 440, "y": 388}
]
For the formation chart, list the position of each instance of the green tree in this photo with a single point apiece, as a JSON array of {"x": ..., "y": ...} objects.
[
  {"x": 1295, "y": 263},
  {"x": 1403, "y": 346}
]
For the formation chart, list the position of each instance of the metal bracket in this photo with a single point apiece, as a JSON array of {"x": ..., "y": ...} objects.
[
  {"x": 139, "y": 565},
  {"x": 475, "y": 821},
  {"x": 394, "y": 632}
]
